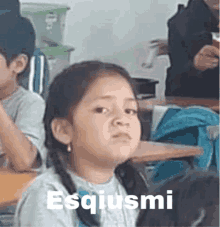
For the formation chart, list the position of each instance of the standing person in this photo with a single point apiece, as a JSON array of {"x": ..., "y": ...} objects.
[
  {"x": 92, "y": 127},
  {"x": 21, "y": 111},
  {"x": 194, "y": 70}
]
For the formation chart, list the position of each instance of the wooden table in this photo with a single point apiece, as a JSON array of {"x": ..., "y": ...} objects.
[
  {"x": 180, "y": 101},
  {"x": 155, "y": 151},
  {"x": 12, "y": 186}
]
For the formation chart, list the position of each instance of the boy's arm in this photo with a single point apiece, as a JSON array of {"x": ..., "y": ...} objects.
[{"x": 19, "y": 149}]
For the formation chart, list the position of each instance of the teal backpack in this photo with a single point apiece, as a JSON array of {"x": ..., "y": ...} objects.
[{"x": 187, "y": 126}]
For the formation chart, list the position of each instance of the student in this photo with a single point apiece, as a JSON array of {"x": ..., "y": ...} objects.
[
  {"x": 21, "y": 111},
  {"x": 195, "y": 202},
  {"x": 194, "y": 70},
  {"x": 92, "y": 127}
]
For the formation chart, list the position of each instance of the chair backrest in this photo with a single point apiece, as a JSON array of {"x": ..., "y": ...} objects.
[{"x": 37, "y": 78}]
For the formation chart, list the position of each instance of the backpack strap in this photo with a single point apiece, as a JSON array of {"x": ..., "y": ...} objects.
[{"x": 39, "y": 74}]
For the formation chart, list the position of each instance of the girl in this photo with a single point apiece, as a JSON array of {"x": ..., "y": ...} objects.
[{"x": 92, "y": 127}]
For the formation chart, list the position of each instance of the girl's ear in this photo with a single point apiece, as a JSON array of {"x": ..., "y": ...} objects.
[
  {"x": 62, "y": 130},
  {"x": 19, "y": 63}
]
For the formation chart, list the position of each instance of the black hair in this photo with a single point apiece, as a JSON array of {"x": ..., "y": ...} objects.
[
  {"x": 65, "y": 92},
  {"x": 195, "y": 200},
  {"x": 17, "y": 36}
]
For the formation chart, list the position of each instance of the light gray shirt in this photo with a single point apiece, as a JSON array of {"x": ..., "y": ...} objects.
[
  {"x": 32, "y": 210},
  {"x": 26, "y": 110}
]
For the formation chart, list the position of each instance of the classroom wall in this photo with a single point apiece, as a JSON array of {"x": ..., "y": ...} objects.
[{"x": 118, "y": 31}]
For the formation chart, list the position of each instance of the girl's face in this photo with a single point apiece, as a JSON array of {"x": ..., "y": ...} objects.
[{"x": 106, "y": 125}]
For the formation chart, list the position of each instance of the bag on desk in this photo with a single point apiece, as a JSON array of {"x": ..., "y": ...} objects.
[{"x": 187, "y": 126}]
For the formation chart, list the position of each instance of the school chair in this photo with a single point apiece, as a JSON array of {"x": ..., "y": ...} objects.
[{"x": 36, "y": 79}]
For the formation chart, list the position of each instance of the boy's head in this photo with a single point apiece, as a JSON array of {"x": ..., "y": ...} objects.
[
  {"x": 17, "y": 41},
  {"x": 12, "y": 6},
  {"x": 195, "y": 202}
]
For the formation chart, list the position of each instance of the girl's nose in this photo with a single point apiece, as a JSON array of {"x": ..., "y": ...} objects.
[
  {"x": 121, "y": 122},
  {"x": 120, "y": 118}
]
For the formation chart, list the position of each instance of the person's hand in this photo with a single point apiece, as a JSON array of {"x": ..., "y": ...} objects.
[{"x": 206, "y": 58}]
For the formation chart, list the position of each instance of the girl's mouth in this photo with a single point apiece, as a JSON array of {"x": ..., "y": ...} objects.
[{"x": 122, "y": 135}]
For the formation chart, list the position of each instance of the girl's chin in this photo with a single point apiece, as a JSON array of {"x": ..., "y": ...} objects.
[{"x": 122, "y": 154}]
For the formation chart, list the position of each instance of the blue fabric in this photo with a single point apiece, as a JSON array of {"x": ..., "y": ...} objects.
[
  {"x": 82, "y": 193},
  {"x": 24, "y": 81},
  {"x": 38, "y": 63},
  {"x": 187, "y": 126},
  {"x": 169, "y": 170}
]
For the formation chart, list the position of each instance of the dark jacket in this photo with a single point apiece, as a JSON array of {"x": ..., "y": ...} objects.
[{"x": 189, "y": 30}]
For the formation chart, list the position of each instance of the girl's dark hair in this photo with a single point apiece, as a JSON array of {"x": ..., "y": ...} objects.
[
  {"x": 195, "y": 200},
  {"x": 66, "y": 91}
]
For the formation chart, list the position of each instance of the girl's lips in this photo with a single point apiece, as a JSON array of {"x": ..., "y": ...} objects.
[{"x": 122, "y": 135}]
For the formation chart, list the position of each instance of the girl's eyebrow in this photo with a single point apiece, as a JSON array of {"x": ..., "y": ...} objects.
[
  {"x": 109, "y": 97},
  {"x": 104, "y": 97},
  {"x": 131, "y": 99}
]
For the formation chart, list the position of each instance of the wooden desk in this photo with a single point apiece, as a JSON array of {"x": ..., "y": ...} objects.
[
  {"x": 12, "y": 186},
  {"x": 154, "y": 151},
  {"x": 180, "y": 101}
]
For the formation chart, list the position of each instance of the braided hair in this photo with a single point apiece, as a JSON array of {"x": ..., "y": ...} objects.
[{"x": 65, "y": 93}]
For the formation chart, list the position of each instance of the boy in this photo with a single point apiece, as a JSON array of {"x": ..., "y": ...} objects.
[{"x": 21, "y": 111}]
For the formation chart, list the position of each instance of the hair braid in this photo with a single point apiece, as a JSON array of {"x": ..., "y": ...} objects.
[
  {"x": 84, "y": 215},
  {"x": 131, "y": 179}
]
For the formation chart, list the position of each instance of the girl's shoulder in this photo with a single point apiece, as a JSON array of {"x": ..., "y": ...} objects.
[{"x": 38, "y": 204}]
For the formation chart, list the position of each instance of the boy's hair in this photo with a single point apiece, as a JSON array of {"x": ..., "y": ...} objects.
[
  {"x": 17, "y": 36},
  {"x": 66, "y": 91},
  {"x": 10, "y": 6},
  {"x": 195, "y": 202}
]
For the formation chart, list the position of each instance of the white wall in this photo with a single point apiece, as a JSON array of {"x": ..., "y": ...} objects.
[{"x": 117, "y": 31}]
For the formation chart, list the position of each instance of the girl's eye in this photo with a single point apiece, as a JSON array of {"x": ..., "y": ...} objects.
[
  {"x": 131, "y": 111},
  {"x": 101, "y": 110}
]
